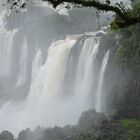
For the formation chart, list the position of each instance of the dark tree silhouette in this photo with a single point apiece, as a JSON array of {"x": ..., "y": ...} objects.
[{"x": 6, "y": 135}]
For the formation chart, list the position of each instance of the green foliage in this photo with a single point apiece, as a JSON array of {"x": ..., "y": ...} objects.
[
  {"x": 114, "y": 26},
  {"x": 128, "y": 52},
  {"x": 86, "y": 130},
  {"x": 90, "y": 127},
  {"x": 6, "y": 135},
  {"x": 90, "y": 119},
  {"x": 132, "y": 128},
  {"x": 25, "y": 135},
  {"x": 131, "y": 14},
  {"x": 136, "y": 7},
  {"x": 55, "y": 133}
]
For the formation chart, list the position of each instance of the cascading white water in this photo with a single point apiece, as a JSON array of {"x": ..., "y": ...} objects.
[
  {"x": 45, "y": 104},
  {"x": 99, "y": 92},
  {"x": 36, "y": 64},
  {"x": 51, "y": 74},
  {"x": 85, "y": 72},
  {"x": 22, "y": 64},
  {"x": 6, "y": 44}
]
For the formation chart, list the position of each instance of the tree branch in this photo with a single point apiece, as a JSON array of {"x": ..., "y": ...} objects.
[{"x": 125, "y": 19}]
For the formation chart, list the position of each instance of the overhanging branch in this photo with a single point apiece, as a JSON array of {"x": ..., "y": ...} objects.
[{"x": 125, "y": 19}]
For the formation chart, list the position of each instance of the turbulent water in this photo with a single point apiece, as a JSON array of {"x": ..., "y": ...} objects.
[{"x": 54, "y": 83}]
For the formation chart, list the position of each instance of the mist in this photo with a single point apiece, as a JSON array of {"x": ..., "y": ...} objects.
[
  {"x": 45, "y": 69},
  {"x": 54, "y": 66}
]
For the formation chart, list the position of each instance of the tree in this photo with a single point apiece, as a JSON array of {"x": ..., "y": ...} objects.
[
  {"x": 6, "y": 135},
  {"x": 124, "y": 16},
  {"x": 25, "y": 135}
]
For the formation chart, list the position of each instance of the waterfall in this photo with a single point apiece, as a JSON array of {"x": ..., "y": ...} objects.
[
  {"x": 51, "y": 74},
  {"x": 99, "y": 92},
  {"x": 36, "y": 76},
  {"x": 45, "y": 104},
  {"x": 36, "y": 64},
  {"x": 85, "y": 71},
  {"x": 3, "y": 14},
  {"x": 22, "y": 64},
  {"x": 6, "y": 44}
]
